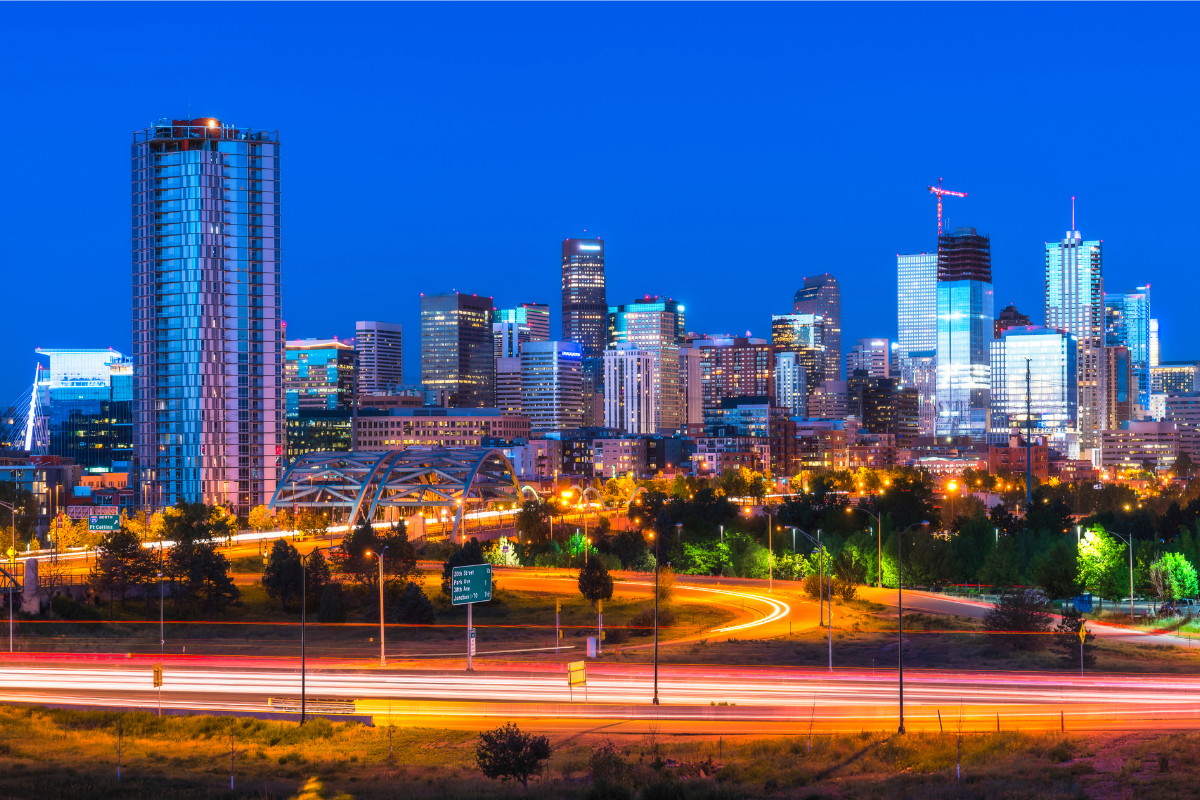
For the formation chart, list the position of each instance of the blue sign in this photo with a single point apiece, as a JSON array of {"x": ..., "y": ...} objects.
[{"x": 1083, "y": 603}]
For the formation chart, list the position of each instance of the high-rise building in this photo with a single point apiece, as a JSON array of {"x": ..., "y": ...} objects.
[
  {"x": 87, "y": 402},
  {"x": 1121, "y": 383},
  {"x": 207, "y": 329},
  {"x": 734, "y": 366},
  {"x": 551, "y": 393},
  {"x": 456, "y": 348},
  {"x": 1184, "y": 410},
  {"x": 508, "y": 385},
  {"x": 1035, "y": 385},
  {"x": 528, "y": 322},
  {"x": 761, "y": 418},
  {"x": 965, "y": 307},
  {"x": 318, "y": 374},
  {"x": 657, "y": 326},
  {"x": 916, "y": 300},
  {"x": 1075, "y": 305},
  {"x": 380, "y": 367},
  {"x": 791, "y": 383},
  {"x": 1174, "y": 377},
  {"x": 822, "y": 295},
  {"x": 507, "y": 338},
  {"x": 870, "y": 355},
  {"x": 830, "y": 400},
  {"x": 691, "y": 386},
  {"x": 537, "y": 317},
  {"x": 584, "y": 302},
  {"x": 803, "y": 334},
  {"x": 1154, "y": 351},
  {"x": 1127, "y": 324},
  {"x": 1008, "y": 317},
  {"x": 629, "y": 388},
  {"x": 919, "y": 372}
]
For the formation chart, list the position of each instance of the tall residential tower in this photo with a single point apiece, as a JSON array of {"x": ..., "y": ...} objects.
[
  {"x": 1075, "y": 305},
  {"x": 822, "y": 295},
  {"x": 965, "y": 306},
  {"x": 207, "y": 332}
]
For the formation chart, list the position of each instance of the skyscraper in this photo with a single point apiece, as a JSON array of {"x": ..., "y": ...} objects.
[
  {"x": 629, "y": 389},
  {"x": 964, "y": 306},
  {"x": 378, "y": 345},
  {"x": 822, "y": 295},
  {"x": 657, "y": 326},
  {"x": 456, "y": 348},
  {"x": 1075, "y": 305},
  {"x": 537, "y": 317},
  {"x": 551, "y": 394},
  {"x": 1048, "y": 402},
  {"x": 803, "y": 334},
  {"x": 584, "y": 303},
  {"x": 734, "y": 366},
  {"x": 916, "y": 302},
  {"x": 1127, "y": 324},
  {"x": 1008, "y": 317},
  {"x": 318, "y": 374},
  {"x": 87, "y": 401},
  {"x": 207, "y": 330},
  {"x": 791, "y": 383},
  {"x": 871, "y": 355}
]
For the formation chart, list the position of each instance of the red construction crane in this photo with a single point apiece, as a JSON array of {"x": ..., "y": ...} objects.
[{"x": 940, "y": 192}]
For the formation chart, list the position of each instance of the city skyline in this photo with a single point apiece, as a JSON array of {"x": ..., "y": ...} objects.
[{"x": 1019, "y": 189}]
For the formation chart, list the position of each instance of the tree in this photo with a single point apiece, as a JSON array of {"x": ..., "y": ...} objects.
[
  {"x": 312, "y": 525},
  {"x": 121, "y": 563},
  {"x": 1102, "y": 563},
  {"x": 1023, "y": 612},
  {"x": 666, "y": 584},
  {"x": 533, "y": 520},
  {"x": 468, "y": 555},
  {"x": 1056, "y": 570},
  {"x": 1066, "y": 641},
  {"x": 850, "y": 571},
  {"x": 508, "y": 754},
  {"x": 413, "y": 606},
  {"x": 333, "y": 604},
  {"x": 358, "y": 557},
  {"x": 1179, "y": 576},
  {"x": 282, "y": 578},
  {"x": 261, "y": 519},
  {"x": 213, "y": 585},
  {"x": 1183, "y": 466},
  {"x": 594, "y": 581},
  {"x": 631, "y": 548}
]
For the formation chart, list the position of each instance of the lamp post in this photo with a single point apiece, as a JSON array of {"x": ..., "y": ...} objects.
[
  {"x": 303, "y": 617},
  {"x": 1128, "y": 541},
  {"x": 656, "y": 540},
  {"x": 878, "y": 544},
  {"x": 817, "y": 541},
  {"x": 382, "y": 657},
  {"x": 12, "y": 564},
  {"x": 900, "y": 603}
]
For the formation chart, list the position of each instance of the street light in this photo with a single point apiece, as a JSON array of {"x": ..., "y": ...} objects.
[
  {"x": 303, "y": 617},
  {"x": 382, "y": 657},
  {"x": 878, "y": 544},
  {"x": 900, "y": 603},
  {"x": 12, "y": 564},
  {"x": 821, "y": 593},
  {"x": 656, "y": 540},
  {"x": 1129, "y": 542}
]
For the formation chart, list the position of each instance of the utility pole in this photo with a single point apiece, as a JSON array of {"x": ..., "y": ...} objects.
[{"x": 1028, "y": 458}]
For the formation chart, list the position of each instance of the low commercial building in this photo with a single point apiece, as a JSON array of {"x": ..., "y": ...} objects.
[
  {"x": 1138, "y": 443},
  {"x": 1012, "y": 456},
  {"x": 402, "y": 428},
  {"x": 614, "y": 457}
]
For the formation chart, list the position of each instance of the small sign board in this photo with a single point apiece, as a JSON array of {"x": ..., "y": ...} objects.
[
  {"x": 471, "y": 584},
  {"x": 1083, "y": 603},
  {"x": 471, "y": 641},
  {"x": 576, "y": 673},
  {"x": 104, "y": 522},
  {"x": 1082, "y": 633}
]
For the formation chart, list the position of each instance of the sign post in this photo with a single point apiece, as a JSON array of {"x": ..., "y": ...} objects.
[
  {"x": 470, "y": 585},
  {"x": 577, "y": 676},
  {"x": 599, "y": 626},
  {"x": 158, "y": 685},
  {"x": 104, "y": 522},
  {"x": 1082, "y": 637},
  {"x": 557, "y": 632}
]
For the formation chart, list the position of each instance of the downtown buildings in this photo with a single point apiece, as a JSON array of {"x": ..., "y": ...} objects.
[
  {"x": 964, "y": 332},
  {"x": 457, "y": 347},
  {"x": 655, "y": 326},
  {"x": 822, "y": 295},
  {"x": 378, "y": 347},
  {"x": 208, "y": 405}
]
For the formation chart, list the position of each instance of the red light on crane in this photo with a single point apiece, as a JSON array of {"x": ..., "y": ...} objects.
[{"x": 940, "y": 193}]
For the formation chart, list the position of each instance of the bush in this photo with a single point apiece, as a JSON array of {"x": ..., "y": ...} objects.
[
  {"x": 644, "y": 619},
  {"x": 666, "y": 585},
  {"x": 507, "y": 754},
  {"x": 816, "y": 586},
  {"x": 413, "y": 607},
  {"x": 608, "y": 766},
  {"x": 1066, "y": 641},
  {"x": 66, "y": 607},
  {"x": 1025, "y": 611},
  {"x": 333, "y": 604},
  {"x": 594, "y": 581}
]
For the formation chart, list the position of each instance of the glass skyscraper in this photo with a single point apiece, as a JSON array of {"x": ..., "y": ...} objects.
[
  {"x": 916, "y": 300},
  {"x": 207, "y": 335},
  {"x": 1075, "y": 305},
  {"x": 965, "y": 308},
  {"x": 1049, "y": 400},
  {"x": 87, "y": 400},
  {"x": 456, "y": 348},
  {"x": 584, "y": 303},
  {"x": 822, "y": 295},
  {"x": 804, "y": 335},
  {"x": 1127, "y": 323},
  {"x": 656, "y": 326}
]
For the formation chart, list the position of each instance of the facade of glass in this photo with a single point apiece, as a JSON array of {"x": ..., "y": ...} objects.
[
  {"x": 456, "y": 348},
  {"x": 551, "y": 385},
  {"x": 379, "y": 347},
  {"x": 207, "y": 331},
  {"x": 629, "y": 387},
  {"x": 656, "y": 326},
  {"x": 1127, "y": 324},
  {"x": 822, "y": 295},
  {"x": 1075, "y": 305},
  {"x": 791, "y": 383},
  {"x": 803, "y": 334},
  {"x": 87, "y": 401},
  {"x": 318, "y": 374},
  {"x": 584, "y": 301},
  {"x": 916, "y": 301},
  {"x": 963, "y": 368},
  {"x": 1049, "y": 401},
  {"x": 871, "y": 355}
]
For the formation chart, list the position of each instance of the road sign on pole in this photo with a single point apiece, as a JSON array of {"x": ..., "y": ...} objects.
[
  {"x": 471, "y": 584},
  {"x": 104, "y": 522},
  {"x": 577, "y": 676}
]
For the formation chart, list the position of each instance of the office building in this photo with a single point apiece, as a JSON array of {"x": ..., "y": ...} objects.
[
  {"x": 313, "y": 430},
  {"x": 551, "y": 392},
  {"x": 618, "y": 457},
  {"x": 584, "y": 302},
  {"x": 1035, "y": 387},
  {"x": 508, "y": 385},
  {"x": 629, "y": 389},
  {"x": 791, "y": 384},
  {"x": 208, "y": 401},
  {"x": 965, "y": 317},
  {"x": 1154, "y": 351},
  {"x": 507, "y": 338},
  {"x": 734, "y": 366},
  {"x": 1127, "y": 324},
  {"x": 657, "y": 326},
  {"x": 402, "y": 428},
  {"x": 916, "y": 301},
  {"x": 318, "y": 374},
  {"x": 822, "y": 295},
  {"x": 537, "y": 317},
  {"x": 803, "y": 334},
  {"x": 870, "y": 355},
  {"x": 1008, "y": 317},
  {"x": 456, "y": 348},
  {"x": 919, "y": 372},
  {"x": 528, "y": 322},
  {"x": 691, "y": 385},
  {"x": 1016, "y": 453},
  {"x": 882, "y": 405},
  {"x": 1138, "y": 444},
  {"x": 1174, "y": 377},
  {"x": 1075, "y": 305},
  {"x": 86, "y": 404},
  {"x": 380, "y": 351},
  {"x": 1120, "y": 382},
  {"x": 1184, "y": 410},
  {"x": 829, "y": 400},
  {"x": 760, "y": 418}
]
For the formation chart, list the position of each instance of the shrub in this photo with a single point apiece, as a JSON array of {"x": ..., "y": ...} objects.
[
  {"x": 1027, "y": 612},
  {"x": 666, "y": 585},
  {"x": 507, "y": 754},
  {"x": 414, "y": 607},
  {"x": 594, "y": 581},
  {"x": 816, "y": 586},
  {"x": 645, "y": 619},
  {"x": 333, "y": 604},
  {"x": 608, "y": 766},
  {"x": 1066, "y": 641}
]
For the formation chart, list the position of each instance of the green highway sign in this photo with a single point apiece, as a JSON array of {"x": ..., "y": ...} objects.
[
  {"x": 104, "y": 522},
  {"x": 471, "y": 584}
]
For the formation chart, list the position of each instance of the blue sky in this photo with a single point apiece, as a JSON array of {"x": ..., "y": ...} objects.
[{"x": 723, "y": 151}]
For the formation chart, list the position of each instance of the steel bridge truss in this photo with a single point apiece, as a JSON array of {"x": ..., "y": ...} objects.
[{"x": 367, "y": 484}]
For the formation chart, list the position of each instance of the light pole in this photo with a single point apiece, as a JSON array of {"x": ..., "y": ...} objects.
[
  {"x": 900, "y": 603},
  {"x": 878, "y": 544},
  {"x": 770, "y": 550},
  {"x": 12, "y": 564},
  {"x": 817, "y": 541},
  {"x": 656, "y": 540},
  {"x": 382, "y": 657},
  {"x": 303, "y": 616},
  {"x": 1129, "y": 542}
]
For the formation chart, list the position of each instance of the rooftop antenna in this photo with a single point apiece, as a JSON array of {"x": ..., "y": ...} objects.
[{"x": 1072, "y": 212}]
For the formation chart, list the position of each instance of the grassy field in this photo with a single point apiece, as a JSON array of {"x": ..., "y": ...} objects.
[{"x": 72, "y": 754}]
